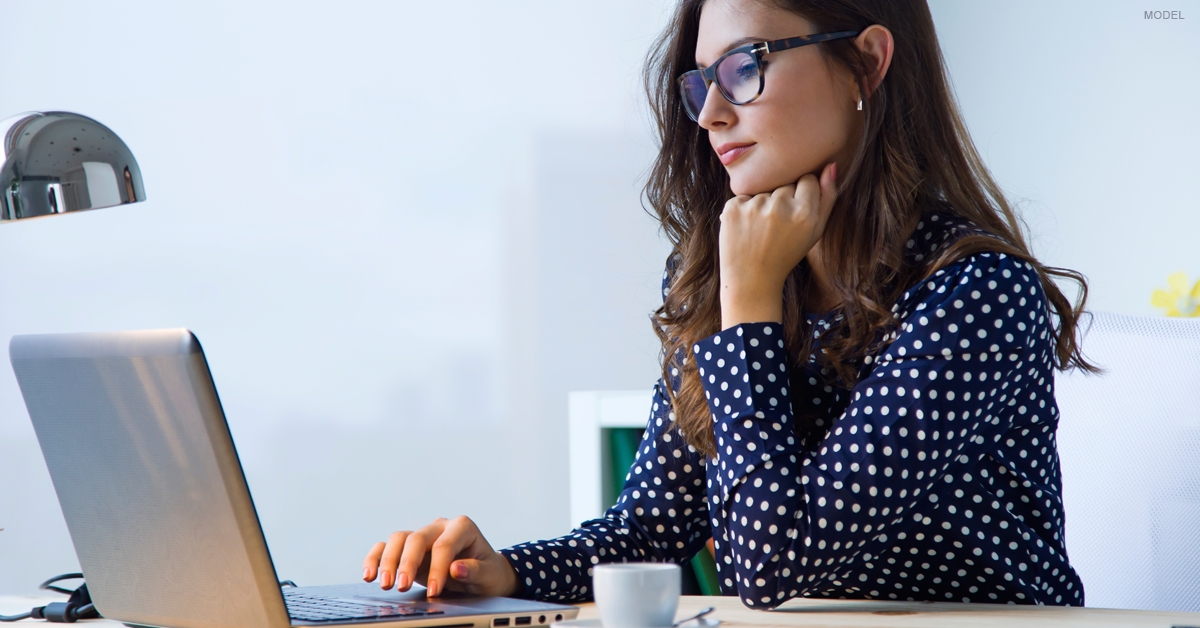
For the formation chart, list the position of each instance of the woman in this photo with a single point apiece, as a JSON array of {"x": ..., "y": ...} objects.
[{"x": 857, "y": 396}]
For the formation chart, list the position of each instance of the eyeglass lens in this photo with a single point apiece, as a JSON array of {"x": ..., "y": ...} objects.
[{"x": 738, "y": 76}]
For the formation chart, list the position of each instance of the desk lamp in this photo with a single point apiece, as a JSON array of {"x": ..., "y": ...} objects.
[{"x": 57, "y": 162}]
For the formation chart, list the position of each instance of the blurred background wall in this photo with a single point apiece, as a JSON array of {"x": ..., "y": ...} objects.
[{"x": 404, "y": 230}]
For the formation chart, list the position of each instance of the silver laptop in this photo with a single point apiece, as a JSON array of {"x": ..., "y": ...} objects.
[{"x": 158, "y": 507}]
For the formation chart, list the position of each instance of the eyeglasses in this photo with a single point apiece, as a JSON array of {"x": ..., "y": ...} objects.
[{"x": 739, "y": 72}]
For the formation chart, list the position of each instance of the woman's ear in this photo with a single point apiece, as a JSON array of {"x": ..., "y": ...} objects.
[{"x": 876, "y": 42}]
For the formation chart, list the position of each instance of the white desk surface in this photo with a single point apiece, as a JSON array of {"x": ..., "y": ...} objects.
[{"x": 814, "y": 613}]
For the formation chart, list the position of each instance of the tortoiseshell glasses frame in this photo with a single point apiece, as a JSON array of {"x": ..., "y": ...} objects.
[{"x": 745, "y": 82}]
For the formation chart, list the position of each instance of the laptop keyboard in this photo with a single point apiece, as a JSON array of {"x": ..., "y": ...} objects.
[{"x": 308, "y": 607}]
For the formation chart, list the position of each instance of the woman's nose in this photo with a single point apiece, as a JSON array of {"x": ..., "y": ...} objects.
[{"x": 716, "y": 110}]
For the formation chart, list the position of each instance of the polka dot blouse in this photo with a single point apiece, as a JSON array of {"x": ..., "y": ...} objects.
[{"x": 935, "y": 478}]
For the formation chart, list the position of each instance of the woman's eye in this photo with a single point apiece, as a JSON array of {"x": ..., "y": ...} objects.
[{"x": 747, "y": 71}]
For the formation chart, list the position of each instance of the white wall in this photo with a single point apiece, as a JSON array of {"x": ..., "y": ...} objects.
[
  {"x": 327, "y": 187},
  {"x": 1086, "y": 113},
  {"x": 396, "y": 285}
]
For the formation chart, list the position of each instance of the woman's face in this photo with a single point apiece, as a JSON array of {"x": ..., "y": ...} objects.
[{"x": 806, "y": 116}]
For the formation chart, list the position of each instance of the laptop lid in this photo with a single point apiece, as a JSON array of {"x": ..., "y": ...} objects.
[{"x": 148, "y": 479}]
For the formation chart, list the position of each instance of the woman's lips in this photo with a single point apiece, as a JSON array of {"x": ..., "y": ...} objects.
[{"x": 731, "y": 155}]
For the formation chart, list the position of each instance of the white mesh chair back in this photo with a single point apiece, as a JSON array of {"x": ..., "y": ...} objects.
[{"x": 1129, "y": 441}]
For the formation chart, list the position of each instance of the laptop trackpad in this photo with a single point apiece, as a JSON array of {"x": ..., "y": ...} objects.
[{"x": 414, "y": 599}]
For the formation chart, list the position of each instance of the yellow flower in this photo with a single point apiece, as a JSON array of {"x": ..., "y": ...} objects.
[{"x": 1178, "y": 301}]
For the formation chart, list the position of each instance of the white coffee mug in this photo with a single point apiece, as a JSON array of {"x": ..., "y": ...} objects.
[{"x": 636, "y": 595}]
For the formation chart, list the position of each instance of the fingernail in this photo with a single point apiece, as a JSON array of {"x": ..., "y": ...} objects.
[
  {"x": 367, "y": 574},
  {"x": 460, "y": 570},
  {"x": 433, "y": 589},
  {"x": 403, "y": 581},
  {"x": 386, "y": 580}
]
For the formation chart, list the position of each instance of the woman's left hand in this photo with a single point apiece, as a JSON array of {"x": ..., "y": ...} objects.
[{"x": 763, "y": 237}]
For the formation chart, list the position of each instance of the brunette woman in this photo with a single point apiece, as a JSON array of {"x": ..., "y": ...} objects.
[{"x": 857, "y": 392}]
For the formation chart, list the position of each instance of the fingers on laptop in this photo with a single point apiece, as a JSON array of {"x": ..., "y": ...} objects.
[
  {"x": 448, "y": 554},
  {"x": 371, "y": 562},
  {"x": 385, "y": 558},
  {"x": 414, "y": 557},
  {"x": 457, "y": 535},
  {"x": 404, "y": 559}
]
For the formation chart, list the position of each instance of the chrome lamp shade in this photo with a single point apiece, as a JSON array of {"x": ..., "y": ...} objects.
[{"x": 58, "y": 162}]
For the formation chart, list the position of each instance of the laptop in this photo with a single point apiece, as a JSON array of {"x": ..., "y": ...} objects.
[{"x": 158, "y": 507}]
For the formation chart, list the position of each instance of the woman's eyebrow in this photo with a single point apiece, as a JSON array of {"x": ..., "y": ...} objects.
[{"x": 739, "y": 42}]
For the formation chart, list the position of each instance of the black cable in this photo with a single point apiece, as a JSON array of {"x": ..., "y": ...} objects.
[
  {"x": 49, "y": 584},
  {"x": 78, "y": 606}
]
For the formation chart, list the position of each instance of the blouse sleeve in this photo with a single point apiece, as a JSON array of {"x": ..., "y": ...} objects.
[
  {"x": 960, "y": 370},
  {"x": 661, "y": 515}
]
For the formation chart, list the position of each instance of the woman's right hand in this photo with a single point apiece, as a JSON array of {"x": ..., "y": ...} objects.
[
  {"x": 446, "y": 555},
  {"x": 763, "y": 237}
]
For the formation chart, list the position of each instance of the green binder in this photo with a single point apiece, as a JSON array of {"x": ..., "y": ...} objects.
[{"x": 705, "y": 569}]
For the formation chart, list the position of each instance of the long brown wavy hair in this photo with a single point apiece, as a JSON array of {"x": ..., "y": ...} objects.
[{"x": 914, "y": 154}]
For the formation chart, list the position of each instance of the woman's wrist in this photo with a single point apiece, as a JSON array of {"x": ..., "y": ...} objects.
[
  {"x": 513, "y": 587},
  {"x": 750, "y": 305}
]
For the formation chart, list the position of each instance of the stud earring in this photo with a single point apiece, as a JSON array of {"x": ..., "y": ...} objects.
[{"x": 860, "y": 104}]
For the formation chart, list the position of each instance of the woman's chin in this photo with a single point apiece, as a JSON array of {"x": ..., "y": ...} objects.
[
  {"x": 750, "y": 183},
  {"x": 749, "y": 187}
]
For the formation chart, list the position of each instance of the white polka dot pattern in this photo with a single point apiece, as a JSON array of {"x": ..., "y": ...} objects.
[{"x": 935, "y": 478}]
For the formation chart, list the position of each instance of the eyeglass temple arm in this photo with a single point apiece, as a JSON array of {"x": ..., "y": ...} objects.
[{"x": 796, "y": 42}]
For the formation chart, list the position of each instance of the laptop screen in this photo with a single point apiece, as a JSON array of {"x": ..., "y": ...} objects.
[{"x": 148, "y": 478}]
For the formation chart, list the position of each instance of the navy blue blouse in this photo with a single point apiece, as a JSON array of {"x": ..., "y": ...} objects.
[{"x": 935, "y": 478}]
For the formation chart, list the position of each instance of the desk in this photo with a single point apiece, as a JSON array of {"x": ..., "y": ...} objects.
[
  {"x": 821, "y": 613},
  {"x": 863, "y": 614}
]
